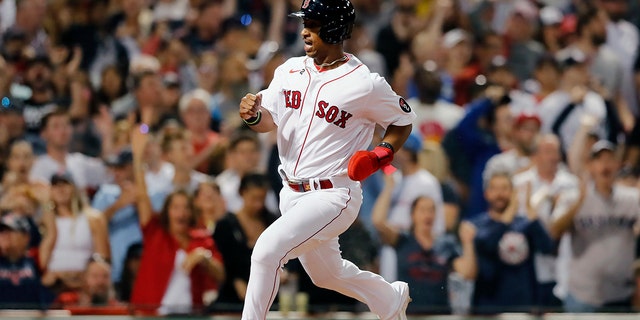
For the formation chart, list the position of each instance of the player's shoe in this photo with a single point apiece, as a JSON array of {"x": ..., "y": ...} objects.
[{"x": 403, "y": 289}]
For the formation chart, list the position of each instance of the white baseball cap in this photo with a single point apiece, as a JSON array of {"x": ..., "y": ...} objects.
[
  {"x": 551, "y": 15},
  {"x": 453, "y": 37}
]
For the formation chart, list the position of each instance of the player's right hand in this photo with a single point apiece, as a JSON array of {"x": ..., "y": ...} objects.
[{"x": 249, "y": 105}]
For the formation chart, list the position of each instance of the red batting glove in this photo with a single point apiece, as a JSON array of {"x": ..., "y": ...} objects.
[{"x": 364, "y": 163}]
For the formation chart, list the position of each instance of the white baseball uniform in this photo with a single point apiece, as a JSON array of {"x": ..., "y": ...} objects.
[{"x": 323, "y": 118}]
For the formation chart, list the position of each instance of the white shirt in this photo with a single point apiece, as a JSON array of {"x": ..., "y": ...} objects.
[
  {"x": 85, "y": 171},
  {"x": 623, "y": 39},
  {"x": 324, "y": 117},
  {"x": 177, "y": 296},
  {"x": 565, "y": 190},
  {"x": 554, "y": 104},
  {"x": 443, "y": 113}
]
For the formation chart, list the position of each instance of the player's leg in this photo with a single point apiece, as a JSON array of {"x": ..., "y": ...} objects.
[
  {"x": 307, "y": 219},
  {"x": 327, "y": 269}
]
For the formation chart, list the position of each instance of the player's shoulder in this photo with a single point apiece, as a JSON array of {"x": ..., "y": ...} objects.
[
  {"x": 292, "y": 63},
  {"x": 625, "y": 193}
]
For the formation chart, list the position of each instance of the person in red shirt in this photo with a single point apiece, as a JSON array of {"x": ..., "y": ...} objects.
[{"x": 180, "y": 267}]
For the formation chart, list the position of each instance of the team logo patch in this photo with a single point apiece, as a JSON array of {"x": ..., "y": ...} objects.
[
  {"x": 513, "y": 248},
  {"x": 404, "y": 105}
]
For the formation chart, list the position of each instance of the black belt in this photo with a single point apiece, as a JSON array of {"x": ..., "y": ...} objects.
[{"x": 304, "y": 186}]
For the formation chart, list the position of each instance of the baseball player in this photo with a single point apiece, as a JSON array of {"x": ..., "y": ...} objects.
[{"x": 324, "y": 106}]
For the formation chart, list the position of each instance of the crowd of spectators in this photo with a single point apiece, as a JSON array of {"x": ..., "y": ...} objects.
[{"x": 129, "y": 185}]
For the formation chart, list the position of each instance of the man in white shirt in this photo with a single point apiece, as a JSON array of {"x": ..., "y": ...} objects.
[
  {"x": 87, "y": 172},
  {"x": 551, "y": 190}
]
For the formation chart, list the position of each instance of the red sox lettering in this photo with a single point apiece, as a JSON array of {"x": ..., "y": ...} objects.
[
  {"x": 292, "y": 98},
  {"x": 331, "y": 115}
]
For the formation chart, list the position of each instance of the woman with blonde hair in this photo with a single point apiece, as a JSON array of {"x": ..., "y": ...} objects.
[{"x": 81, "y": 233}]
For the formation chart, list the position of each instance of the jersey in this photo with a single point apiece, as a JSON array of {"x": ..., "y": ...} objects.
[{"x": 325, "y": 116}]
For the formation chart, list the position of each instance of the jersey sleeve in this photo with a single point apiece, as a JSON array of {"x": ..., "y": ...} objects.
[
  {"x": 385, "y": 107},
  {"x": 271, "y": 95}
]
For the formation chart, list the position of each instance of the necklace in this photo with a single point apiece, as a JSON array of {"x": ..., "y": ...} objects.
[{"x": 324, "y": 65}]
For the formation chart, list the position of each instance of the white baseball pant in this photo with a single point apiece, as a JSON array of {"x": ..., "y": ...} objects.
[{"x": 309, "y": 228}]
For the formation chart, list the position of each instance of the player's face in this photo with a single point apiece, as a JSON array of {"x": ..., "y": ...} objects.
[{"x": 313, "y": 45}]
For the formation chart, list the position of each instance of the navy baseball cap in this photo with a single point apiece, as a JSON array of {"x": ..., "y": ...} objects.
[
  {"x": 601, "y": 146},
  {"x": 63, "y": 177},
  {"x": 124, "y": 157},
  {"x": 15, "y": 222}
]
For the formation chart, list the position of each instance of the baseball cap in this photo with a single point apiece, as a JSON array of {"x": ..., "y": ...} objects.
[
  {"x": 525, "y": 9},
  {"x": 600, "y": 147},
  {"x": 551, "y": 15},
  {"x": 63, "y": 177},
  {"x": 15, "y": 222},
  {"x": 124, "y": 157},
  {"x": 572, "y": 57},
  {"x": 453, "y": 37},
  {"x": 171, "y": 80},
  {"x": 413, "y": 143},
  {"x": 526, "y": 116}
]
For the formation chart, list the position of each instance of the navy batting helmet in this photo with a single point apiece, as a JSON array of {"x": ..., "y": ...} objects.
[{"x": 336, "y": 17}]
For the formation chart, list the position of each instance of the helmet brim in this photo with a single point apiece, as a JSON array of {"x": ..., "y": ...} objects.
[{"x": 297, "y": 14}]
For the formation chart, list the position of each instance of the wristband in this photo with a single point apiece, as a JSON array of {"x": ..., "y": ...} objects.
[
  {"x": 254, "y": 120},
  {"x": 386, "y": 145}
]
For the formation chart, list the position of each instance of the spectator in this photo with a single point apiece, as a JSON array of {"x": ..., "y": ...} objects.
[
  {"x": 112, "y": 85},
  {"x": 435, "y": 116},
  {"x": 116, "y": 202},
  {"x": 551, "y": 189},
  {"x": 81, "y": 232},
  {"x": 412, "y": 183},
  {"x": 506, "y": 243},
  {"x": 38, "y": 77},
  {"x": 20, "y": 284},
  {"x": 526, "y": 128},
  {"x": 147, "y": 100},
  {"x": 624, "y": 40},
  {"x": 19, "y": 164},
  {"x": 395, "y": 38},
  {"x": 87, "y": 173},
  {"x": 458, "y": 74},
  {"x": 96, "y": 291},
  {"x": 483, "y": 132},
  {"x": 561, "y": 111},
  {"x": 129, "y": 272},
  {"x": 523, "y": 50},
  {"x": 243, "y": 156},
  {"x": 179, "y": 269},
  {"x": 207, "y": 27},
  {"x": 425, "y": 258},
  {"x": 236, "y": 234},
  {"x": 178, "y": 151},
  {"x": 195, "y": 113},
  {"x": 601, "y": 227},
  {"x": 209, "y": 205}
]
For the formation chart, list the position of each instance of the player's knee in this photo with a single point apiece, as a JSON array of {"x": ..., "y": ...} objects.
[
  {"x": 266, "y": 254},
  {"x": 324, "y": 280}
]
